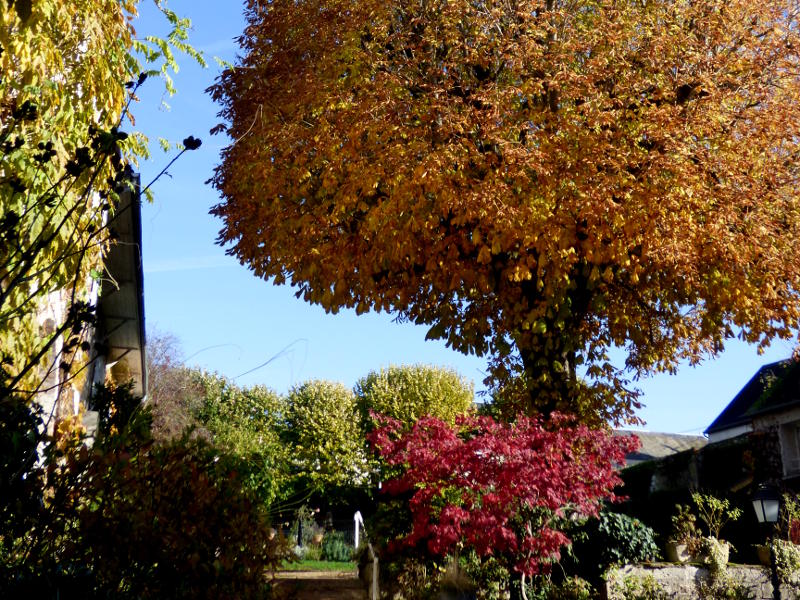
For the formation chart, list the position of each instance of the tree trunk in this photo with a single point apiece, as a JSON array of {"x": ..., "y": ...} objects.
[
  {"x": 549, "y": 357},
  {"x": 550, "y": 376},
  {"x": 515, "y": 589}
]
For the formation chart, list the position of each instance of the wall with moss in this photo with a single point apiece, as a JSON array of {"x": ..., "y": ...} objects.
[{"x": 683, "y": 582}]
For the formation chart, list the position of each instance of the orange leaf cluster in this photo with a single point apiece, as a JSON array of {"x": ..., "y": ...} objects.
[{"x": 544, "y": 179}]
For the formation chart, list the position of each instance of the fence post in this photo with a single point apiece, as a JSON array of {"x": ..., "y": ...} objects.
[
  {"x": 359, "y": 524},
  {"x": 358, "y": 521},
  {"x": 374, "y": 574}
]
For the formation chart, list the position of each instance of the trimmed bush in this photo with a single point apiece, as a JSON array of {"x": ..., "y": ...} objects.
[
  {"x": 612, "y": 539},
  {"x": 335, "y": 548}
]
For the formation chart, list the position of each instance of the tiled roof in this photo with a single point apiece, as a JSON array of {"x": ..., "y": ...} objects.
[
  {"x": 658, "y": 445},
  {"x": 775, "y": 386}
]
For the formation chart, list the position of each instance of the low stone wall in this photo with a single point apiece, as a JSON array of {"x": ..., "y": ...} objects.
[{"x": 680, "y": 582}]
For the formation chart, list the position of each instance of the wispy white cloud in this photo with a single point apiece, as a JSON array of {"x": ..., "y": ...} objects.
[
  {"x": 223, "y": 46},
  {"x": 189, "y": 263}
]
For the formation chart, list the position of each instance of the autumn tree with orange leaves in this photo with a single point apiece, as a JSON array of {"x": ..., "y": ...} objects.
[{"x": 537, "y": 180}]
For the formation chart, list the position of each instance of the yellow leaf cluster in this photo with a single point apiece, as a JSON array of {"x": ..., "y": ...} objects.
[{"x": 68, "y": 63}]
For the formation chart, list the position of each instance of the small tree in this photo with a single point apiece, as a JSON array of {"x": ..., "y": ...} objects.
[
  {"x": 173, "y": 390},
  {"x": 715, "y": 512},
  {"x": 503, "y": 490},
  {"x": 245, "y": 422},
  {"x": 407, "y": 393},
  {"x": 325, "y": 443}
]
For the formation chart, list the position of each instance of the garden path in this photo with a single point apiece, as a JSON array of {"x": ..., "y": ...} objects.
[{"x": 319, "y": 585}]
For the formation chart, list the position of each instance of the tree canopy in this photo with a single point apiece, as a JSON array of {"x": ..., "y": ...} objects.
[
  {"x": 409, "y": 392},
  {"x": 321, "y": 431},
  {"x": 539, "y": 180},
  {"x": 245, "y": 422},
  {"x": 311, "y": 440}
]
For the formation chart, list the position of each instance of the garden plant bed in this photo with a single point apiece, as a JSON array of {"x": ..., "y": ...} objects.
[{"x": 319, "y": 565}]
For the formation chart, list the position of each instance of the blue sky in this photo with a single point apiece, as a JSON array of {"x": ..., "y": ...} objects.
[{"x": 229, "y": 321}]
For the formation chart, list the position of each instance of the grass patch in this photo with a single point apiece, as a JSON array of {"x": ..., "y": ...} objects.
[{"x": 318, "y": 565}]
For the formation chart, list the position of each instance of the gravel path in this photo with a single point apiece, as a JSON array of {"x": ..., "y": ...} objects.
[{"x": 319, "y": 585}]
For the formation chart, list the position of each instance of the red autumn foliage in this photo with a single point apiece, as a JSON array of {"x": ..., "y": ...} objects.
[
  {"x": 501, "y": 489},
  {"x": 794, "y": 531}
]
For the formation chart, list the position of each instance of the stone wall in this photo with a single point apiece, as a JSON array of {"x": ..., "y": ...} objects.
[{"x": 681, "y": 582}]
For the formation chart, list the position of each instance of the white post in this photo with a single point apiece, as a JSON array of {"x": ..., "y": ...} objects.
[{"x": 358, "y": 521}]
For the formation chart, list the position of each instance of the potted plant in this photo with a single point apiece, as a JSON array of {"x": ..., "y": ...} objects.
[
  {"x": 715, "y": 513},
  {"x": 683, "y": 541},
  {"x": 763, "y": 554}
]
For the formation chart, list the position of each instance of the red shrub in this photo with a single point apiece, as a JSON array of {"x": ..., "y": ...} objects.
[{"x": 500, "y": 489}]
